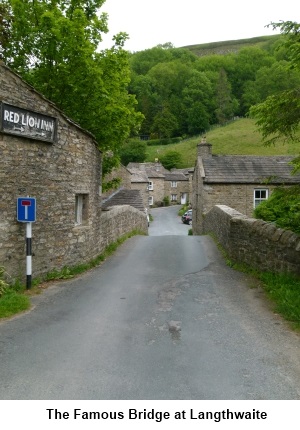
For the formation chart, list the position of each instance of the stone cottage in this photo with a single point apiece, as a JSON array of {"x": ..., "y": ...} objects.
[
  {"x": 47, "y": 156},
  {"x": 240, "y": 182},
  {"x": 156, "y": 183},
  {"x": 177, "y": 187}
]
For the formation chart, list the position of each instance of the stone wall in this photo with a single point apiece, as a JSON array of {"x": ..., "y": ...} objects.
[
  {"x": 255, "y": 242},
  {"x": 158, "y": 192},
  {"x": 120, "y": 220},
  {"x": 237, "y": 196},
  {"x": 182, "y": 187},
  {"x": 143, "y": 188},
  {"x": 56, "y": 174},
  {"x": 123, "y": 175}
]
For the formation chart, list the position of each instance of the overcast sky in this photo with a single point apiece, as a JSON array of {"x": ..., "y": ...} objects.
[{"x": 191, "y": 22}]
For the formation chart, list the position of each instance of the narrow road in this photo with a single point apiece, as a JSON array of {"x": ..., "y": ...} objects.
[{"x": 162, "y": 318}]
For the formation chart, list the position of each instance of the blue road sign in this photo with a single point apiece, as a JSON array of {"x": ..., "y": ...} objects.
[{"x": 26, "y": 209}]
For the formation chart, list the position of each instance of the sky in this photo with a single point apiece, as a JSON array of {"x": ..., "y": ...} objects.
[{"x": 192, "y": 22}]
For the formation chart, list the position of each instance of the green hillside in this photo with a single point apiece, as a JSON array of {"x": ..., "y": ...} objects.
[
  {"x": 230, "y": 46},
  {"x": 240, "y": 137}
]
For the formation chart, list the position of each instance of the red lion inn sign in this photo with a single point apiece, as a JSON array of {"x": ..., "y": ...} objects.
[{"x": 25, "y": 123}]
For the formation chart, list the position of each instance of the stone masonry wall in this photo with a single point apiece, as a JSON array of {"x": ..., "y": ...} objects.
[
  {"x": 120, "y": 173},
  {"x": 120, "y": 220},
  {"x": 237, "y": 196},
  {"x": 255, "y": 242},
  {"x": 182, "y": 187},
  {"x": 53, "y": 173},
  {"x": 158, "y": 192}
]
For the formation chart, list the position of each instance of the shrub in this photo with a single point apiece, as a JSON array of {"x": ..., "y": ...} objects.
[
  {"x": 282, "y": 208},
  {"x": 166, "y": 201},
  {"x": 3, "y": 284},
  {"x": 171, "y": 159}
]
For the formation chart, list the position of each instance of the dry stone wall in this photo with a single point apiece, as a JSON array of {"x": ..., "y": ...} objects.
[
  {"x": 257, "y": 243},
  {"x": 118, "y": 221}
]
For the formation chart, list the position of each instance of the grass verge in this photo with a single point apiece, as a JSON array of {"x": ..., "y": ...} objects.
[
  {"x": 283, "y": 290},
  {"x": 15, "y": 298},
  {"x": 13, "y": 302}
]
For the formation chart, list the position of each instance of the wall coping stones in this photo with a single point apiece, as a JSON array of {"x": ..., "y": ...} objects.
[{"x": 255, "y": 242}]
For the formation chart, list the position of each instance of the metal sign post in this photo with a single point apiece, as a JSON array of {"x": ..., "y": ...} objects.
[
  {"x": 28, "y": 255},
  {"x": 26, "y": 212}
]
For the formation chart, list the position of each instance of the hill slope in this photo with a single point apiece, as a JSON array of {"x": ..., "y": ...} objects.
[
  {"x": 240, "y": 137},
  {"x": 230, "y": 46}
]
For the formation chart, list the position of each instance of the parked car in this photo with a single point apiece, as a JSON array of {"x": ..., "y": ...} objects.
[{"x": 187, "y": 217}]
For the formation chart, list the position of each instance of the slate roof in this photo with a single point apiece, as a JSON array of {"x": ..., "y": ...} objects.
[
  {"x": 152, "y": 173},
  {"x": 176, "y": 176},
  {"x": 152, "y": 170},
  {"x": 138, "y": 176},
  {"x": 125, "y": 197},
  {"x": 142, "y": 172},
  {"x": 248, "y": 169},
  {"x": 187, "y": 171}
]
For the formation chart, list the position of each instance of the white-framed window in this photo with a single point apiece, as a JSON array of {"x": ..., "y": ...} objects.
[
  {"x": 260, "y": 195},
  {"x": 150, "y": 201},
  {"x": 173, "y": 197},
  {"x": 150, "y": 186},
  {"x": 173, "y": 184},
  {"x": 81, "y": 208}
]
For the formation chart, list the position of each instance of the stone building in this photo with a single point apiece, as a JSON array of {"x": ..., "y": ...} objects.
[
  {"x": 122, "y": 178},
  {"x": 188, "y": 187},
  {"x": 52, "y": 160},
  {"x": 149, "y": 178},
  {"x": 240, "y": 182},
  {"x": 176, "y": 187},
  {"x": 156, "y": 183},
  {"x": 47, "y": 156},
  {"x": 140, "y": 182}
]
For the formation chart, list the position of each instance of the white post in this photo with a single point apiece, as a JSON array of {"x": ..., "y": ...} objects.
[{"x": 28, "y": 254}]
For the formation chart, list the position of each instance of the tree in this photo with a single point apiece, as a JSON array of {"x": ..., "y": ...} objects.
[
  {"x": 227, "y": 105},
  {"x": 164, "y": 124},
  {"x": 5, "y": 26},
  {"x": 133, "y": 151},
  {"x": 278, "y": 117},
  {"x": 246, "y": 63},
  {"x": 171, "y": 159},
  {"x": 198, "y": 100},
  {"x": 54, "y": 45},
  {"x": 270, "y": 81}
]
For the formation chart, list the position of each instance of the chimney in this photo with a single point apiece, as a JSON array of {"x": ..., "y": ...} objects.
[{"x": 204, "y": 148}]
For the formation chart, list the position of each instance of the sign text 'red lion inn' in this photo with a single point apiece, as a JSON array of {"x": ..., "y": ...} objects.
[{"x": 25, "y": 123}]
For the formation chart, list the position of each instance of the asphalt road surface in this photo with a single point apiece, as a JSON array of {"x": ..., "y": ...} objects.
[{"x": 162, "y": 318}]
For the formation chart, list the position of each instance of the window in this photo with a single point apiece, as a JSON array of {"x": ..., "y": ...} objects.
[
  {"x": 260, "y": 195},
  {"x": 173, "y": 197},
  {"x": 81, "y": 208},
  {"x": 150, "y": 186},
  {"x": 173, "y": 184},
  {"x": 150, "y": 201}
]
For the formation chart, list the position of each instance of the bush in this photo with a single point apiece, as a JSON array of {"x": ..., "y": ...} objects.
[
  {"x": 3, "y": 284},
  {"x": 134, "y": 151},
  {"x": 166, "y": 201},
  {"x": 171, "y": 159},
  {"x": 282, "y": 208}
]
